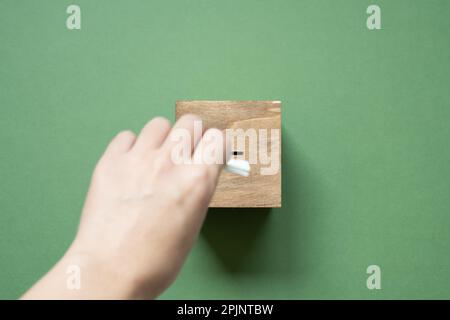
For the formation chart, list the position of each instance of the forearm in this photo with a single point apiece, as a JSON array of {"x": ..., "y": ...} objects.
[{"x": 78, "y": 276}]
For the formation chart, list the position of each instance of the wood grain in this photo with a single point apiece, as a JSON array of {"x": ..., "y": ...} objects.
[{"x": 257, "y": 190}]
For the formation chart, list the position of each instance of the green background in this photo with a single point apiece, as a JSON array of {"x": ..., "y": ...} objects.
[{"x": 366, "y": 133}]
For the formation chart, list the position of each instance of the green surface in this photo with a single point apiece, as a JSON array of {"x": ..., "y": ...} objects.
[{"x": 366, "y": 174}]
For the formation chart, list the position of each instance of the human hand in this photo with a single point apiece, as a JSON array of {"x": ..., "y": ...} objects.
[{"x": 141, "y": 216}]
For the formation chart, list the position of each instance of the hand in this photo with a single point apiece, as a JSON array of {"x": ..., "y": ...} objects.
[{"x": 141, "y": 216}]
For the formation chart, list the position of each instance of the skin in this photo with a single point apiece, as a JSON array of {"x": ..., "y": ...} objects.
[{"x": 141, "y": 217}]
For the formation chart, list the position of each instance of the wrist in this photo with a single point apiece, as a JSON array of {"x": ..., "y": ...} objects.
[{"x": 98, "y": 276}]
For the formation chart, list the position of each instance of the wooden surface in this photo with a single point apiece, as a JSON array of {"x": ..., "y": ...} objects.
[{"x": 257, "y": 190}]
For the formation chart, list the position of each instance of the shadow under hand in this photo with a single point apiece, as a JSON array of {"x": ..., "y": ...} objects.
[{"x": 233, "y": 233}]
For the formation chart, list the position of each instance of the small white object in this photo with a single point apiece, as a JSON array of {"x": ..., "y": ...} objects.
[{"x": 237, "y": 166}]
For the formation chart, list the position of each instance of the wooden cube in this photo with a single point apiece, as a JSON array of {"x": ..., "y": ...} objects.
[{"x": 260, "y": 189}]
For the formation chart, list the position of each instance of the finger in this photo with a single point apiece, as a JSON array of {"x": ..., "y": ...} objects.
[
  {"x": 121, "y": 143},
  {"x": 152, "y": 135},
  {"x": 188, "y": 124},
  {"x": 211, "y": 152}
]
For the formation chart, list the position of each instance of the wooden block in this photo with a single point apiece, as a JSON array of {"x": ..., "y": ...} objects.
[{"x": 259, "y": 189}]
